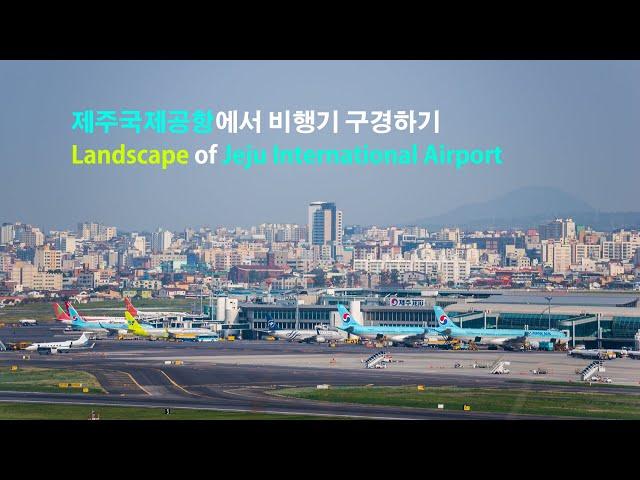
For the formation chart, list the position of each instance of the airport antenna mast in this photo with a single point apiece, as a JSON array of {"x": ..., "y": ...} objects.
[{"x": 549, "y": 300}]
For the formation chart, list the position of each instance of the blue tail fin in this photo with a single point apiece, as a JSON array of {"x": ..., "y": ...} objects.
[
  {"x": 443, "y": 319},
  {"x": 75, "y": 316},
  {"x": 347, "y": 319},
  {"x": 271, "y": 324}
]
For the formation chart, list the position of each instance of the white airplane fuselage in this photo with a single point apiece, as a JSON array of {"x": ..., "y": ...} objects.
[{"x": 69, "y": 344}]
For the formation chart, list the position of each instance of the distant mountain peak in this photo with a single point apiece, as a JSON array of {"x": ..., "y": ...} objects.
[{"x": 520, "y": 207}]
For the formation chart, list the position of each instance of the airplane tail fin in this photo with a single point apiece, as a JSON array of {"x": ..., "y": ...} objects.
[
  {"x": 61, "y": 315},
  {"x": 347, "y": 319},
  {"x": 443, "y": 319},
  {"x": 130, "y": 308},
  {"x": 73, "y": 313},
  {"x": 132, "y": 323},
  {"x": 271, "y": 324}
]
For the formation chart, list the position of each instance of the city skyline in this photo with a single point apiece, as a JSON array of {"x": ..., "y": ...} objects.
[
  {"x": 517, "y": 220},
  {"x": 99, "y": 255},
  {"x": 231, "y": 227},
  {"x": 563, "y": 125}
]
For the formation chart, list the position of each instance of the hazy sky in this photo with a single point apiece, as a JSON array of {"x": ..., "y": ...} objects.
[{"x": 571, "y": 125}]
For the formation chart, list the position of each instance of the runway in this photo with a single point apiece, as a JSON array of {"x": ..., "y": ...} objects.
[
  {"x": 245, "y": 375},
  {"x": 218, "y": 389}
]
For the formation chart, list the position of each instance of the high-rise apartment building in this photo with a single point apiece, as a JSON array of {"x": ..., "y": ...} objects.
[
  {"x": 96, "y": 232},
  {"x": 30, "y": 236},
  {"x": 161, "y": 240},
  {"x": 559, "y": 229},
  {"x": 7, "y": 233},
  {"x": 325, "y": 224},
  {"x": 46, "y": 259}
]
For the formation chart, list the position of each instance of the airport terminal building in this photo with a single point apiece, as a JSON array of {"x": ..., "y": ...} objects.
[{"x": 597, "y": 320}]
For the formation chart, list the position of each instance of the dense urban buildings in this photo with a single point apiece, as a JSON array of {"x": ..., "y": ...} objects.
[
  {"x": 325, "y": 262},
  {"x": 323, "y": 253}
]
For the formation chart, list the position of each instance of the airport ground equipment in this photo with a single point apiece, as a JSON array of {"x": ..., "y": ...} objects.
[
  {"x": 588, "y": 372},
  {"x": 546, "y": 346},
  {"x": 376, "y": 360},
  {"x": 19, "y": 345},
  {"x": 560, "y": 347},
  {"x": 499, "y": 367}
]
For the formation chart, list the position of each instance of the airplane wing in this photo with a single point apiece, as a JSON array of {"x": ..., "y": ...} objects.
[
  {"x": 516, "y": 342},
  {"x": 300, "y": 337},
  {"x": 446, "y": 333},
  {"x": 409, "y": 339},
  {"x": 110, "y": 327}
]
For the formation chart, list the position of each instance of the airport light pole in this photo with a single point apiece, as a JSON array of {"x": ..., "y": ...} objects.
[
  {"x": 297, "y": 313},
  {"x": 549, "y": 300}
]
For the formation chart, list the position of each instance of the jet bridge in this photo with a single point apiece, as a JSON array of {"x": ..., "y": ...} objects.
[
  {"x": 467, "y": 317},
  {"x": 578, "y": 321}
]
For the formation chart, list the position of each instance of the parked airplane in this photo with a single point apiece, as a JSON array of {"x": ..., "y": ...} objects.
[
  {"x": 593, "y": 353},
  {"x": 506, "y": 338},
  {"x": 76, "y": 322},
  {"x": 405, "y": 335},
  {"x": 144, "y": 331},
  {"x": 61, "y": 347},
  {"x": 149, "y": 314},
  {"x": 61, "y": 314},
  {"x": 101, "y": 319},
  {"x": 321, "y": 334},
  {"x": 124, "y": 326},
  {"x": 111, "y": 325}
]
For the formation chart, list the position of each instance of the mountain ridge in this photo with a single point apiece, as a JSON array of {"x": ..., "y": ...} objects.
[{"x": 528, "y": 207}]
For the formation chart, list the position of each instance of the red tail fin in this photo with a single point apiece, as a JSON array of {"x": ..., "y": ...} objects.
[
  {"x": 60, "y": 313},
  {"x": 130, "y": 308}
]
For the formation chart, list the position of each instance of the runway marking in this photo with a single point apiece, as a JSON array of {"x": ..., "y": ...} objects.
[
  {"x": 178, "y": 386},
  {"x": 134, "y": 381}
]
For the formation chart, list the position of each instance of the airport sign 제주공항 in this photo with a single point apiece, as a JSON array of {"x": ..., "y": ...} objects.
[{"x": 406, "y": 302}]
